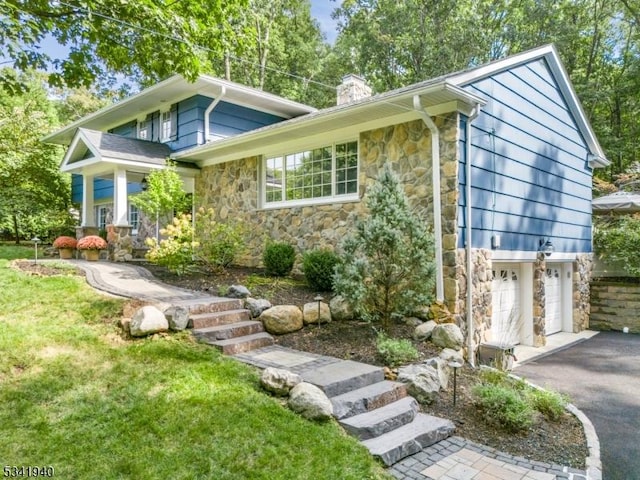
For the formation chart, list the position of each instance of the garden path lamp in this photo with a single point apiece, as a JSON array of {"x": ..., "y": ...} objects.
[
  {"x": 35, "y": 241},
  {"x": 455, "y": 365},
  {"x": 318, "y": 298}
]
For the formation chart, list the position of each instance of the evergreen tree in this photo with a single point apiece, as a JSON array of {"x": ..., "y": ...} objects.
[{"x": 387, "y": 267}]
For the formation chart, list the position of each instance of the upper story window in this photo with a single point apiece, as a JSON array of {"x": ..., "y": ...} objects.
[
  {"x": 312, "y": 176},
  {"x": 143, "y": 129},
  {"x": 165, "y": 126}
]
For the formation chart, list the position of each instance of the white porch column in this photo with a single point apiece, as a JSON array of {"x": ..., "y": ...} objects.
[
  {"x": 120, "y": 213},
  {"x": 88, "y": 214}
]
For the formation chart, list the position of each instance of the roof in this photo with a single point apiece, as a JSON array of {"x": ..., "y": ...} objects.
[
  {"x": 446, "y": 89},
  {"x": 172, "y": 90},
  {"x": 90, "y": 146}
]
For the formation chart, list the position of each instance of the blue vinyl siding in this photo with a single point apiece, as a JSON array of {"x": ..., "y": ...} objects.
[
  {"x": 129, "y": 129},
  {"x": 229, "y": 119},
  {"x": 102, "y": 189},
  {"x": 190, "y": 122},
  {"x": 529, "y": 173}
]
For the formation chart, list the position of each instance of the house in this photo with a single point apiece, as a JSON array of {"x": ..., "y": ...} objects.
[{"x": 498, "y": 159}]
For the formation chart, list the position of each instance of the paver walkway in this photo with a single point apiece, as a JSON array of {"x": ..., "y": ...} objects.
[{"x": 451, "y": 459}]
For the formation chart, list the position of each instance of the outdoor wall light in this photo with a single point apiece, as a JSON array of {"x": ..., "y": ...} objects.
[
  {"x": 144, "y": 184},
  {"x": 546, "y": 247}
]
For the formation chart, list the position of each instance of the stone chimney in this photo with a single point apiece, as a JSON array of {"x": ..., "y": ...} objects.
[{"x": 352, "y": 88}]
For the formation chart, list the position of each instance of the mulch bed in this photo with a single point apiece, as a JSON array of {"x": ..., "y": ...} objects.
[{"x": 560, "y": 442}]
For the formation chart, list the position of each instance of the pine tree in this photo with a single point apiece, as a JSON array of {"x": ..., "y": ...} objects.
[{"x": 387, "y": 267}]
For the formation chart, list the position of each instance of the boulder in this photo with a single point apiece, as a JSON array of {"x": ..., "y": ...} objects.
[
  {"x": 443, "y": 369},
  {"x": 310, "y": 402},
  {"x": 279, "y": 381},
  {"x": 340, "y": 309},
  {"x": 422, "y": 381},
  {"x": 238, "y": 291},
  {"x": 440, "y": 313},
  {"x": 447, "y": 335},
  {"x": 422, "y": 312},
  {"x": 310, "y": 313},
  {"x": 424, "y": 330},
  {"x": 178, "y": 317},
  {"x": 450, "y": 355},
  {"x": 282, "y": 319},
  {"x": 147, "y": 321},
  {"x": 256, "y": 306},
  {"x": 412, "y": 321}
]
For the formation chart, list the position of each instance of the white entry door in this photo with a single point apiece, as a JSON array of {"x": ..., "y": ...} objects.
[
  {"x": 505, "y": 318},
  {"x": 553, "y": 299}
]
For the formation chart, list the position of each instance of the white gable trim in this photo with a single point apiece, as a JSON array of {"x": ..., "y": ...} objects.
[{"x": 79, "y": 140}]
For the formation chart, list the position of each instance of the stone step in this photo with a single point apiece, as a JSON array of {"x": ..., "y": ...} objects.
[
  {"x": 215, "y": 319},
  {"x": 381, "y": 420},
  {"x": 231, "y": 330},
  {"x": 411, "y": 438},
  {"x": 236, "y": 345},
  {"x": 365, "y": 399},
  {"x": 341, "y": 377},
  {"x": 215, "y": 304}
]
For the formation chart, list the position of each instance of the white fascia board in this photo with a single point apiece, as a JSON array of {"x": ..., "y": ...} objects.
[
  {"x": 80, "y": 137},
  {"x": 507, "y": 256}
]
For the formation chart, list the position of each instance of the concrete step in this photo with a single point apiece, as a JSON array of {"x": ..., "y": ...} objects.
[
  {"x": 243, "y": 344},
  {"x": 365, "y": 399},
  {"x": 215, "y": 319},
  {"x": 381, "y": 420},
  {"x": 231, "y": 330},
  {"x": 411, "y": 438},
  {"x": 340, "y": 377},
  {"x": 216, "y": 304}
]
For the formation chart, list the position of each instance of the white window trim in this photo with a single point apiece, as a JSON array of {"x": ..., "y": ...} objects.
[
  {"x": 333, "y": 198},
  {"x": 134, "y": 231},
  {"x": 164, "y": 139},
  {"x": 139, "y": 129},
  {"x": 98, "y": 216}
]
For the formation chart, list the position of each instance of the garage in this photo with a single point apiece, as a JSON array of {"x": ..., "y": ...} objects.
[
  {"x": 553, "y": 298},
  {"x": 506, "y": 300}
]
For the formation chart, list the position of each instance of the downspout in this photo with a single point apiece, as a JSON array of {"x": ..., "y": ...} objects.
[
  {"x": 207, "y": 112},
  {"x": 437, "y": 206},
  {"x": 470, "y": 326}
]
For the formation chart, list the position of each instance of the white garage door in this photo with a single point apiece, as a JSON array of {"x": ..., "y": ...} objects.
[
  {"x": 505, "y": 318},
  {"x": 553, "y": 299}
]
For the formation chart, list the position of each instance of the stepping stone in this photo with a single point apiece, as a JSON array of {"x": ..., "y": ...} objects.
[
  {"x": 367, "y": 398},
  {"x": 214, "y": 319},
  {"x": 236, "y": 345},
  {"x": 215, "y": 304},
  {"x": 411, "y": 438},
  {"x": 381, "y": 420},
  {"x": 341, "y": 377},
  {"x": 232, "y": 330}
]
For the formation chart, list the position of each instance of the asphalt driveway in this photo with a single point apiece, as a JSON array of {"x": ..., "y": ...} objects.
[{"x": 602, "y": 377}]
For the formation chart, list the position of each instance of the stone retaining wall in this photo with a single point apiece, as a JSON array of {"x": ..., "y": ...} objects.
[{"x": 615, "y": 304}]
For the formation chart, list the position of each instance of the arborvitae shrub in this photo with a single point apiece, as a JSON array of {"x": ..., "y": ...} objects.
[{"x": 318, "y": 267}]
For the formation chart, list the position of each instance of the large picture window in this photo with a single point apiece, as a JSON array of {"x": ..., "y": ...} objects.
[{"x": 309, "y": 175}]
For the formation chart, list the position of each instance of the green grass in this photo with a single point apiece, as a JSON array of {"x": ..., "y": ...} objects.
[{"x": 76, "y": 396}]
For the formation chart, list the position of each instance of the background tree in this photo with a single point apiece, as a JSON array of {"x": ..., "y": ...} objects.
[{"x": 387, "y": 266}]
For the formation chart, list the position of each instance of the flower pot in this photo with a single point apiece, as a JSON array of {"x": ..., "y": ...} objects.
[
  {"x": 65, "y": 253},
  {"x": 92, "y": 255}
]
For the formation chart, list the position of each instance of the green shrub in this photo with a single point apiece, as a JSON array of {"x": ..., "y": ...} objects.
[
  {"x": 175, "y": 251},
  {"x": 219, "y": 243},
  {"x": 550, "y": 404},
  {"x": 318, "y": 267},
  {"x": 503, "y": 407},
  {"x": 618, "y": 240},
  {"x": 396, "y": 351},
  {"x": 278, "y": 259}
]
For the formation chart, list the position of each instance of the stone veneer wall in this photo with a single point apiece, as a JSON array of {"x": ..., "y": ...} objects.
[
  {"x": 231, "y": 189},
  {"x": 615, "y": 304},
  {"x": 582, "y": 274},
  {"x": 539, "y": 278}
]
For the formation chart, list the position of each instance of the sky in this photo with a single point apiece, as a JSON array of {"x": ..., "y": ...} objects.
[{"x": 321, "y": 11}]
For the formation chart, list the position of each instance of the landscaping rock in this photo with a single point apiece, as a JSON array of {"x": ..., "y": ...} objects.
[
  {"x": 282, "y": 319},
  {"x": 178, "y": 317},
  {"x": 310, "y": 402},
  {"x": 443, "y": 369},
  {"x": 256, "y": 306},
  {"x": 340, "y": 309},
  {"x": 412, "y": 321},
  {"x": 450, "y": 355},
  {"x": 310, "y": 313},
  {"x": 447, "y": 335},
  {"x": 439, "y": 313},
  {"x": 422, "y": 381},
  {"x": 238, "y": 291},
  {"x": 279, "y": 381},
  {"x": 424, "y": 330},
  {"x": 422, "y": 312},
  {"x": 147, "y": 321}
]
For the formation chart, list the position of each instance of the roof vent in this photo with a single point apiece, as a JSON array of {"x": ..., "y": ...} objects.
[{"x": 352, "y": 88}]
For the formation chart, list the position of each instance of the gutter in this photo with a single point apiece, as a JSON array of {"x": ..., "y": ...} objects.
[
  {"x": 207, "y": 112},
  {"x": 470, "y": 327},
  {"x": 437, "y": 202}
]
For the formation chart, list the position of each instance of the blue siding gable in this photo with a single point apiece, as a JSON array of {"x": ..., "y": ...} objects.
[
  {"x": 529, "y": 173},
  {"x": 228, "y": 119}
]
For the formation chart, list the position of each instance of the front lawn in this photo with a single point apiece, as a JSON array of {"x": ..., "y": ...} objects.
[{"x": 76, "y": 396}]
